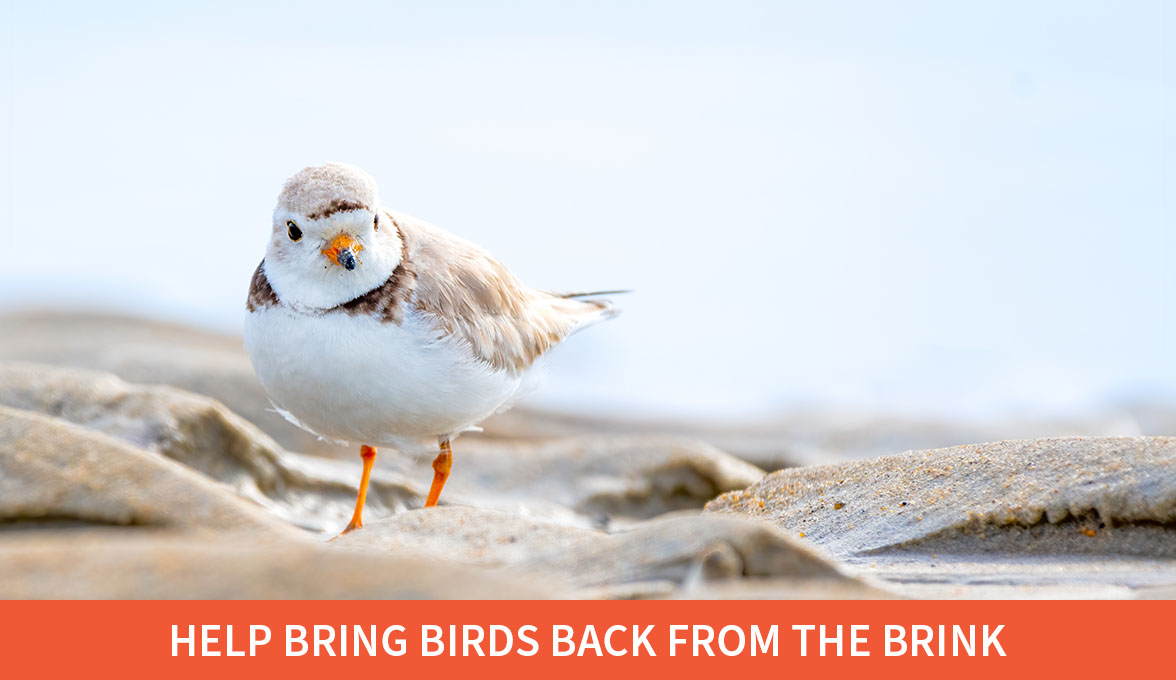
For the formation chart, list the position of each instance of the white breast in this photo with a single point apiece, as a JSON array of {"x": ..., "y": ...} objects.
[{"x": 361, "y": 380}]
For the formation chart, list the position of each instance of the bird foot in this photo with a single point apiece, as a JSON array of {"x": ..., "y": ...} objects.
[{"x": 351, "y": 526}]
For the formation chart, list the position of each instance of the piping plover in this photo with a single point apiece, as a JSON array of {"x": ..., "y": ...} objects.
[{"x": 370, "y": 327}]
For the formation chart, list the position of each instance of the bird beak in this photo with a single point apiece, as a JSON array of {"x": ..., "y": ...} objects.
[{"x": 342, "y": 251}]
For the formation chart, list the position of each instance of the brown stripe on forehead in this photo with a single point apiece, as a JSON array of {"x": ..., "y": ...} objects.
[{"x": 336, "y": 206}]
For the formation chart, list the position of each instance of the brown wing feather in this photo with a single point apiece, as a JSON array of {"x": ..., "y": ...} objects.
[{"x": 474, "y": 297}]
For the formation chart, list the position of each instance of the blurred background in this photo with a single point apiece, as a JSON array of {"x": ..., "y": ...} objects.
[{"x": 963, "y": 211}]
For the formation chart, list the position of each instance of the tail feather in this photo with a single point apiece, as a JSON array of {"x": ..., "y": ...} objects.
[
  {"x": 607, "y": 310},
  {"x": 598, "y": 293},
  {"x": 589, "y": 312}
]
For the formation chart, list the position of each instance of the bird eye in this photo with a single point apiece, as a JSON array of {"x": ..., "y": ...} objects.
[
  {"x": 293, "y": 230},
  {"x": 376, "y": 224}
]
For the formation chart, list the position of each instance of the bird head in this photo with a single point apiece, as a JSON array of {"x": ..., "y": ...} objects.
[{"x": 331, "y": 240}]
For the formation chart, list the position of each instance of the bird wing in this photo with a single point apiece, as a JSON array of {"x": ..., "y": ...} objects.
[{"x": 475, "y": 298}]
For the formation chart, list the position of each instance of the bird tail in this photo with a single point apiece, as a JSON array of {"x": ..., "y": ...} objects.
[
  {"x": 597, "y": 293},
  {"x": 589, "y": 308}
]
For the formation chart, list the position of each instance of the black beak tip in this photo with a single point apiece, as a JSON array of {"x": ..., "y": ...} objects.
[{"x": 347, "y": 259}]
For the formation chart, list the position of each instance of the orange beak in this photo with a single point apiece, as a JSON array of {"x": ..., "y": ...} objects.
[{"x": 342, "y": 251}]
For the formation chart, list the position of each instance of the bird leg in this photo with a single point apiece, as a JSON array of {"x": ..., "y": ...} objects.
[
  {"x": 368, "y": 453},
  {"x": 441, "y": 466}
]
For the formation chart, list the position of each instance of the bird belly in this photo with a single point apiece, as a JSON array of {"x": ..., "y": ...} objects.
[{"x": 360, "y": 379}]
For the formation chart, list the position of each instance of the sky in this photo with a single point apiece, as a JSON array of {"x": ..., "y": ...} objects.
[{"x": 925, "y": 207}]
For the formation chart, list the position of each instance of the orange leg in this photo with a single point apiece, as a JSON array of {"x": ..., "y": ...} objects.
[
  {"x": 369, "y": 458},
  {"x": 441, "y": 466}
]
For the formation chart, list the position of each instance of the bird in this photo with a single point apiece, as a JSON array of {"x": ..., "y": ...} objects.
[{"x": 369, "y": 327}]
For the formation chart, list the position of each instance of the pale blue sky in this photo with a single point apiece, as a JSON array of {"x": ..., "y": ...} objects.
[{"x": 916, "y": 206}]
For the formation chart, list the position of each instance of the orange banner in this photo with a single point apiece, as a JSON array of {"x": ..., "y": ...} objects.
[{"x": 904, "y": 639}]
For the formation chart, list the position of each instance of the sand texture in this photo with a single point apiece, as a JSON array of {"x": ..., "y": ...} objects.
[{"x": 1010, "y": 511}]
